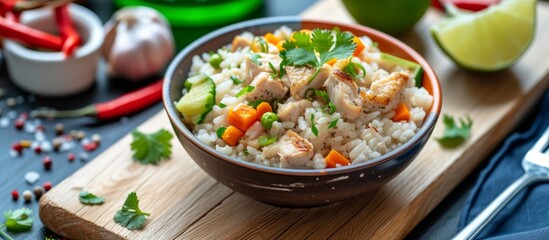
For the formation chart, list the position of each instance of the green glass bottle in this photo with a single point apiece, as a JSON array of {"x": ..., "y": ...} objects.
[{"x": 198, "y": 13}]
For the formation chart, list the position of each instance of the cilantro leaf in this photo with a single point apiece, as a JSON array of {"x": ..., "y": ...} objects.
[
  {"x": 130, "y": 216},
  {"x": 455, "y": 135},
  {"x": 19, "y": 220},
  {"x": 303, "y": 50},
  {"x": 90, "y": 199},
  {"x": 151, "y": 148}
]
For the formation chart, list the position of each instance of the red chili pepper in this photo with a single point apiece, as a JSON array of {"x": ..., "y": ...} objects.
[
  {"x": 471, "y": 5},
  {"x": 29, "y": 36},
  {"x": 119, "y": 107},
  {"x": 66, "y": 27}
]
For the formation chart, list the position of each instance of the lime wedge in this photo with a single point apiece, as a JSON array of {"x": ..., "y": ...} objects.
[{"x": 488, "y": 40}]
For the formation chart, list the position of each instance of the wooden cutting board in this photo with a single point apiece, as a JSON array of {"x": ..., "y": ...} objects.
[{"x": 186, "y": 203}]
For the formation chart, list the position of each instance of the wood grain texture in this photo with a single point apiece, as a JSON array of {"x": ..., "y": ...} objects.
[{"x": 185, "y": 203}]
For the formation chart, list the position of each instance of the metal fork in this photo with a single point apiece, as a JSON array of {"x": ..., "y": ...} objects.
[{"x": 536, "y": 168}]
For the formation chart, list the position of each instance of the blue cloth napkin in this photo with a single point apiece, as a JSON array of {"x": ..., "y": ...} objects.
[{"x": 527, "y": 215}]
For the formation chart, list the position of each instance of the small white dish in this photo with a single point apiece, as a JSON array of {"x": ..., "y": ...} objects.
[{"x": 51, "y": 74}]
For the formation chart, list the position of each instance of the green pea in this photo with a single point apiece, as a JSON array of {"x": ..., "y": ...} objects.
[
  {"x": 268, "y": 119},
  {"x": 215, "y": 60}
]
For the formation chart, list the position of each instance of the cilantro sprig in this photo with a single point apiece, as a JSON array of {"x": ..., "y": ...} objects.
[
  {"x": 317, "y": 49},
  {"x": 130, "y": 216},
  {"x": 151, "y": 148},
  {"x": 19, "y": 220},
  {"x": 90, "y": 199},
  {"x": 455, "y": 135}
]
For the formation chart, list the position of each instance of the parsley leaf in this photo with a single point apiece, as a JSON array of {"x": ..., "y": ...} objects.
[
  {"x": 151, "y": 148},
  {"x": 90, "y": 199},
  {"x": 455, "y": 135},
  {"x": 130, "y": 216},
  {"x": 333, "y": 123},
  {"x": 19, "y": 220},
  {"x": 304, "y": 49},
  {"x": 236, "y": 81},
  {"x": 313, "y": 126},
  {"x": 245, "y": 90}
]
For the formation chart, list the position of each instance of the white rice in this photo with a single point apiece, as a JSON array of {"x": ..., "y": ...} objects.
[{"x": 369, "y": 136}]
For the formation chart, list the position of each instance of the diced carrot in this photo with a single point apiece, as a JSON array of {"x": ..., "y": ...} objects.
[
  {"x": 401, "y": 113},
  {"x": 334, "y": 157},
  {"x": 242, "y": 116},
  {"x": 271, "y": 38},
  {"x": 331, "y": 61},
  {"x": 263, "y": 108},
  {"x": 359, "y": 46},
  {"x": 232, "y": 135}
]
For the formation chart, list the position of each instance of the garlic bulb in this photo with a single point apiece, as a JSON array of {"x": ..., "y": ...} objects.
[{"x": 138, "y": 43}]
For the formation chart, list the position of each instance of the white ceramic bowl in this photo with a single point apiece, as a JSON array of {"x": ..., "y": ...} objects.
[{"x": 51, "y": 74}]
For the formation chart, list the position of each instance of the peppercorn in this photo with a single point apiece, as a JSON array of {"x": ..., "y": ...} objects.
[
  {"x": 17, "y": 147},
  {"x": 71, "y": 157},
  {"x": 27, "y": 196},
  {"x": 25, "y": 143},
  {"x": 14, "y": 195},
  {"x": 11, "y": 102},
  {"x": 59, "y": 129},
  {"x": 38, "y": 192},
  {"x": 38, "y": 149},
  {"x": 47, "y": 162},
  {"x": 57, "y": 143},
  {"x": 47, "y": 186},
  {"x": 19, "y": 123},
  {"x": 96, "y": 138}
]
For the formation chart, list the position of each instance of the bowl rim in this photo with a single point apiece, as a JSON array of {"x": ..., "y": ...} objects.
[{"x": 425, "y": 129}]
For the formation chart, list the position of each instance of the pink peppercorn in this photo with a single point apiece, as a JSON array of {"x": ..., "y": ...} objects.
[
  {"x": 38, "y": 149},
  {"x": 19, "y": 123},
  {"x": 47, "y": 162},
  {"x": 71, "y": 157},
  {"x": 90, "y": 146},
  {"x": 47, "y": 186},
  {"x": 17, "y": 147},
  {"x": 40, "y": 128},
  {"x": 14, "y": 195}
]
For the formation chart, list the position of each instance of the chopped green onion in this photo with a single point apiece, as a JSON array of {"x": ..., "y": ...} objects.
[
  {"x": 245, "y": 90},
  {"x": 329, "y": 108},
  {"x": 221, "y": 105},
  {"x": 245, "y": 152},
  {"x": 351, "y": 69},
  {"x": 333, "y": 123},
  {"x": 273, "y": 69},
  {"x": 281, "y": 68},
  {"x": 264, "y": 47},
  {"x": 313, "y": 126},
  {"x": 236, "y": 81},
  {"x": 254, "y": 58},
  {"x": 220, "y": 131},
  {"x": 266, "y": 140}
]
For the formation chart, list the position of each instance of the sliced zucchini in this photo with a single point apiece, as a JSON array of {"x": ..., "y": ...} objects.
[
  {"x": 415, "y": 68},
  {"x": 198, "y": 102}
]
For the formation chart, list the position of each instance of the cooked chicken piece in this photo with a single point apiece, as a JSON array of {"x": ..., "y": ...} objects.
[
  {"x": 252, "y": 68},
  {"x": 343, "y": 92},
  {"x": 292, "y": 109},
  {"x": 297, "y": 79},
  {"x": 385, "y": 93},
  {"x": 266, "y": 88},
  {"x": 294, "y": 151},
  {"x": 240, "y": 42}
]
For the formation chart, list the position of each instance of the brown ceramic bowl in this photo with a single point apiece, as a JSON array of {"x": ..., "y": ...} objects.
[{"x": 295, "y": 187}]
